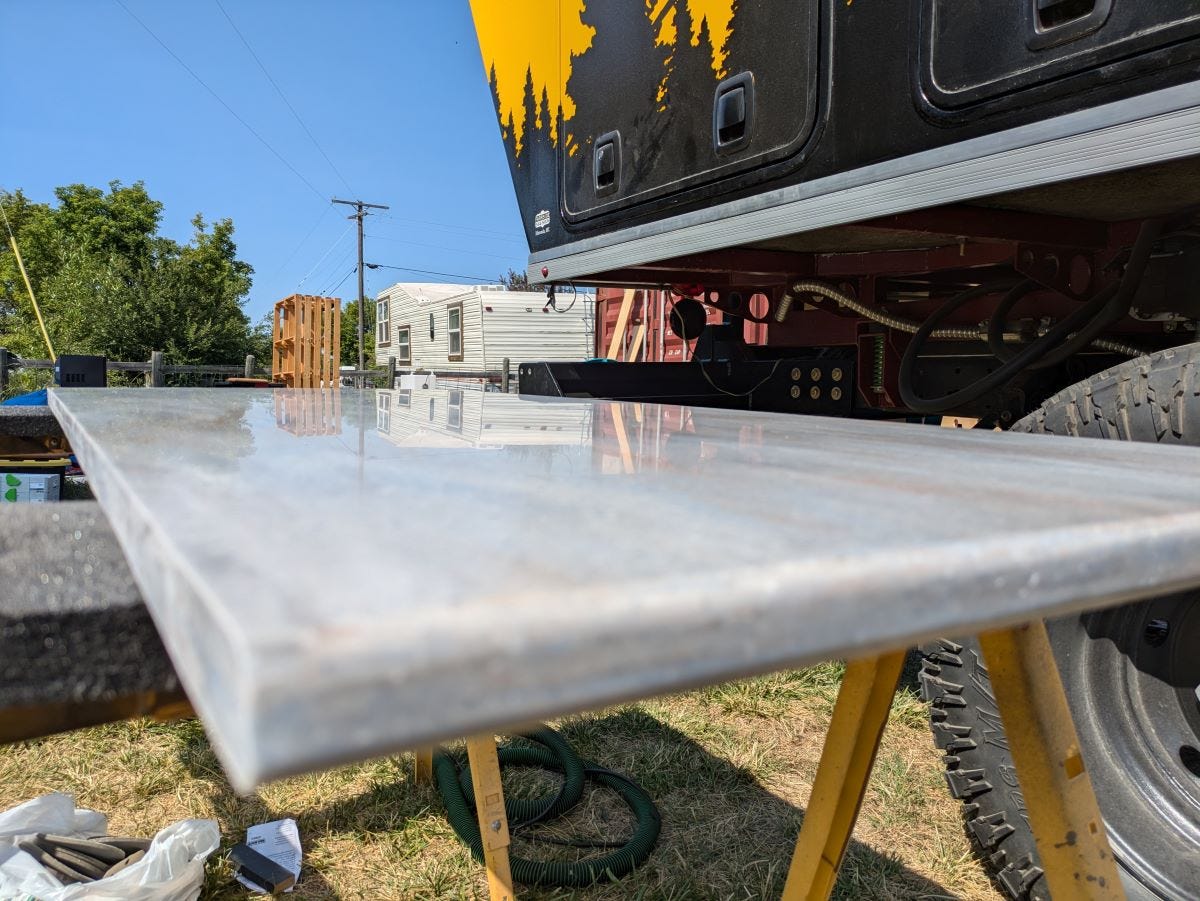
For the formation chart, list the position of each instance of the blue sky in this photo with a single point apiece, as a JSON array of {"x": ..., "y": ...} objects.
[{"x": 394, "y": 93}]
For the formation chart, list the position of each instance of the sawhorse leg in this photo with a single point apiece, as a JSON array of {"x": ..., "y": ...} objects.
[
  {"x": 423, "y": 766},
  {"x": 861, "y": 712},
  {"x": 1062, "y": 808},
  {"x": 493, "y": 822}
]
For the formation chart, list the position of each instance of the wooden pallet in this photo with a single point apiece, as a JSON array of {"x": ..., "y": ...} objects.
[{"x": 306, "y": 341}]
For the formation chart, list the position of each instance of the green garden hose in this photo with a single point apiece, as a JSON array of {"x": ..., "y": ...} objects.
[{"x": 551, "y": 752}]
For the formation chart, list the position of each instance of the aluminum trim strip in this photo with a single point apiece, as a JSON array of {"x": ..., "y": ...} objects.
[{"x": 1139, "y": 131}]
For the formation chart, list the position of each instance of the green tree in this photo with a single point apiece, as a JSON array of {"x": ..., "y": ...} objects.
[
  {"x": 516, "y": 281},
  {"x": 261, "y": 337},
  {"x": 350, "y": 325},
  {"x": 109, "y": 284}
]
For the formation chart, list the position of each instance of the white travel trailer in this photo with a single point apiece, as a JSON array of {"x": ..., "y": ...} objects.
[{"x": 474, "y": 328}]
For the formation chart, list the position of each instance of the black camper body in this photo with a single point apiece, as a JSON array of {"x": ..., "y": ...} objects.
[{"x": 668, "y": 154}]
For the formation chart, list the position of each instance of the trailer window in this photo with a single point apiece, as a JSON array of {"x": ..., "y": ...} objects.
[
  {"x": 403, "y": 345},
  {"x": 383, "y": 411},
  {"x": 454, "y": 410},
  {"x": 383, "y": 325},
  {"x": 454, "y": 331}
]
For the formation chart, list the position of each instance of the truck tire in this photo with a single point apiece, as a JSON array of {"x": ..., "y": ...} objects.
[{"x": 1128, "y": 674}]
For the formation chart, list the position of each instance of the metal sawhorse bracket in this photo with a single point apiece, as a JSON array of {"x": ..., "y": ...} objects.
[{"x": 1062, "y": 808}]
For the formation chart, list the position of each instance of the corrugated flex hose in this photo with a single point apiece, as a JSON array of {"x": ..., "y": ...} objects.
[
  {"x": 549, "y": 751},
  {"x": 901, "y": 324}
]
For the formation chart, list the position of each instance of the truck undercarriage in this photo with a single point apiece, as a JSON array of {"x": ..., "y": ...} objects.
[{"x": 964, "y": 311}]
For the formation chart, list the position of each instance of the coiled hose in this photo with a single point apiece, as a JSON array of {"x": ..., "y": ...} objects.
[{"x": 550, "y": 752}]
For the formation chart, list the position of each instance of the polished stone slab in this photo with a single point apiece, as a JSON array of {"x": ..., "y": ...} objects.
[{"x": 337, "y": 575}]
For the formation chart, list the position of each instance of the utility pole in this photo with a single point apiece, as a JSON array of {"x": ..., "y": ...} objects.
[{"x": 360, "y": 210}]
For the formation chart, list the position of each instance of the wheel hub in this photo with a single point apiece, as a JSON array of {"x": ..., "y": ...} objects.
[{"x": 1137, "y": 679}]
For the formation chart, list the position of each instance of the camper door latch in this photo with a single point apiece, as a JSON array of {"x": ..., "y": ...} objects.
[
  {"x": 606, "y": 163},
  {"x": 733, "y": 113}
]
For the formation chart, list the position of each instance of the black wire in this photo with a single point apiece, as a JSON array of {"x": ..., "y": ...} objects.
[
  {"x": 574, "y": 298},
  {"x": 339, "y": 284},
  {"x": 1121, "y": 301},
  {"x": 219, "y": 100},
  {"x": 470, "y": 278},
  {"x": 283, "y": 97},
  {"x": 770, "y": 375},
  {"x": 1031, "y": 353},
  {"x": 1069, "y": 336}
]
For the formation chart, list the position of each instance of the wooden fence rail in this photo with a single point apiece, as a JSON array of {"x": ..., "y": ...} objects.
[{"x": 155, "y": 368}]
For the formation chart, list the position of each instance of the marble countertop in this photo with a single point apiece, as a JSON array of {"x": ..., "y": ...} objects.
[{"x": 342, "y": 574}]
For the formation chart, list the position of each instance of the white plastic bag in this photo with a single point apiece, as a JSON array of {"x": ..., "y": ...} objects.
[{"x": 172, "y": 870}]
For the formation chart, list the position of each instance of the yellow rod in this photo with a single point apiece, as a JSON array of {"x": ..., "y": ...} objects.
[{"x": 12, "y": 241}]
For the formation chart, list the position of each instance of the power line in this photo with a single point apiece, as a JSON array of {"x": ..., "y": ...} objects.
[
  {"x": 332, "y": 266},
  {"x": 339, "y": 284},
  {"x": 218, "y": 98},
  {"x": 283, "y": 97},
  {"x": 463, "y": 228},
  {"x": 470, "y": 278},
  {"x": 303, "y": 241},
  {"x": 336, "y": 242},
  {"x": 478, "y": 253},
  {"x": 331, "y": 271},
  {"x": 392, "y": 229}
]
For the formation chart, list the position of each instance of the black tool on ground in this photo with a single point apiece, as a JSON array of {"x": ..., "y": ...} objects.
[
  {"x": 549, "y": 751},
  {"x": 260, "y": 869}
]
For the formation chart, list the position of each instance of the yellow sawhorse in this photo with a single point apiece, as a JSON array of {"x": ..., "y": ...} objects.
[{"x": 1062, "y": 809}]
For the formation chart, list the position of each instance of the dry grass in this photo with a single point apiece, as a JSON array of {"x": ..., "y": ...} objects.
[{"x": 730, "y": 767}]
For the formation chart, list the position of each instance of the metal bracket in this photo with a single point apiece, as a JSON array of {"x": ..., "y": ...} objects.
[{"x": 1071, "y": 272}]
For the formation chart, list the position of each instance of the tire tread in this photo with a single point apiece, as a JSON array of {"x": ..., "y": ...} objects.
[{"x": 1149, "y": 398}]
